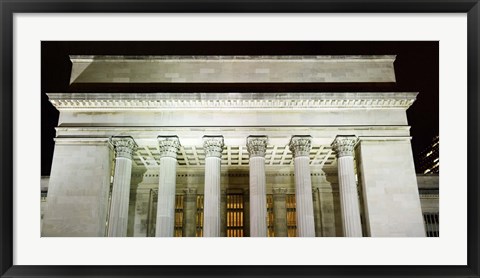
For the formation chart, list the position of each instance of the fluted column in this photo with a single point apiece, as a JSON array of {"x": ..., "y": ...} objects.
[
  {"x": 256, "y": 146},
  {"x": 280, "y": 211},
  {"x": 344, "y": 146},
  {"x": 213, "y": 147},
  {"x": 300, "y": 147},
  {"x": 169, "y": 146},
  {"x": 189, "y": 211},
  {"x": 118, "y": 217}
]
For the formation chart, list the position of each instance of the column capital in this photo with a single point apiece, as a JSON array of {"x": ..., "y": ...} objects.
[
  {"x": 279, "y": 191},
  {"x": 213, "y": 146},
  {"x": 257, "y": 145},
  {"x": 300, "y": 145},
  {"x": 168, "y": 145},
  {"x": 124, "y": 146},
  {"x": 344, "y": 145}
]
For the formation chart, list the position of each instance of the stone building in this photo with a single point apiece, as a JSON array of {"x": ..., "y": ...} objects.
[{"x": 233, "y": 164}]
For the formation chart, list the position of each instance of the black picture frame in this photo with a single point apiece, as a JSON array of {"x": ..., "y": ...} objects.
[{"x": 9, "y": 7}]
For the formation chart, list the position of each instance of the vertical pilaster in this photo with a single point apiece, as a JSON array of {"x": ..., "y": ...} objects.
[
  {"x": 280, "y": 211},
  {"x": 316, "y": 212},
  {"x": 118, "y": 217},
  {"x": 256, "y": 146},
  {"x": 246, "y": 213},
  {"x": 169, "y": 146},
  {"x": 223, "y": 212},
  {"x": 213, "y": 147},
  {"x": 344, "y": 147},
  {"x": 300, "y": 147},
  {"x": 189, "y": 211}
]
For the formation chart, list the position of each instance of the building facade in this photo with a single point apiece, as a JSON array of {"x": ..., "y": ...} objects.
[{"x": 233, "y": 164}]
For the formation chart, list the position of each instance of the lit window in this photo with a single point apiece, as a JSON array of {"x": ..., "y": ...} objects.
[
  {"x": 431, "y": 222},
  {"x": 235, "y": 215}
]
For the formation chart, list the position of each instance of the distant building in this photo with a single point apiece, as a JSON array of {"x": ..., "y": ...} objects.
[{"x": 429, "y": 161}]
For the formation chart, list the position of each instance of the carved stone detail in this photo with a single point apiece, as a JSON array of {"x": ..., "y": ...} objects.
[
  {"x": 279, "y": 190},
  {"x": 257, "y": 145},
  {"x": 124, "y": 146},
  {"x": 213, "y": 146},
  {"x": 344, "y": 145},
  {"x": 300, "y": 145},
  {"x": 190, "y": 191},
  {"x": 169, "y": 146}
]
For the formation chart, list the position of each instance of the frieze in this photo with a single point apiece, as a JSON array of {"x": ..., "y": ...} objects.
[{"x": 279, "y": 190}]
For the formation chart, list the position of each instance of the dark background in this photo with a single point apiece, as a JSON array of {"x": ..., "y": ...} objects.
[{"x": 416, "y": 70}]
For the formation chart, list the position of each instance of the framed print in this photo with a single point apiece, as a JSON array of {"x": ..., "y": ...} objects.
[{"x": 255, "y": 138}]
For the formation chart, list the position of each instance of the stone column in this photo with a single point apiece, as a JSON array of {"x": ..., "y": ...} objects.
[
  {"x": 118, "y": 217},
  {"x": 213, "y": 147},
  {"x": 300, "y": 147},
  {"x": 246, "y": 213},
  {"x": 189, "y": 211},
  {"x": 344, "y": 146},
  {"x": 280, "y": 212},
  {"x": 256, "y": 146},
  {"x": 169, "y": 146}
]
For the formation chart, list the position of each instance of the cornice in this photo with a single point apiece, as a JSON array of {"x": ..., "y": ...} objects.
[
  {"x": 194, "y": 101},
  {"x": 223, "y": 58}
]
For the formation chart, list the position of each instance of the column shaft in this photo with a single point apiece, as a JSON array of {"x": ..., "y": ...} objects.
[
  {"x": 213, "y": 147},
  {"x": 300, "y": 147},
  {"x": 166, "y": 198},
  {"x": 344, "y": 146},
  {"x": 256, "y": 146},
  {"x": 258, "y": 201},
  {"x": 118, "y": 217},
  {"x": 169, "y": 146},
  {"x": 352, "y": 226},
  {"x": 211, "y": 207},
  {"x": 303, "y": 197}
]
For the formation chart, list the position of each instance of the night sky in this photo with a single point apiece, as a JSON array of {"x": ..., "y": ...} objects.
[{"x": 416, "y": 69}]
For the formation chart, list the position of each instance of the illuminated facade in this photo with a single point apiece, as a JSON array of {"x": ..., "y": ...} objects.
[{"x": 233, "y": 164}]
